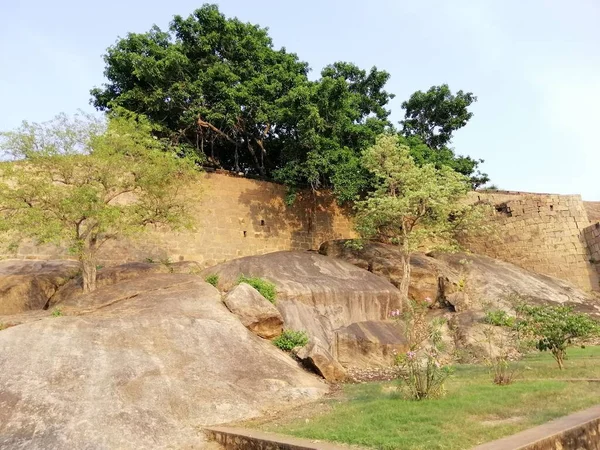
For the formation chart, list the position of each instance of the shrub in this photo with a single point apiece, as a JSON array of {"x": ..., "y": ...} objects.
[
  {"x": 57, "y": 312},
  {"x": 266, "y": 288},
  {"x": 212, "y": 279},
  {"x": 499, "y": 318},
  {"x": 291, "y": 339},
  {"x": 555, "y": 328},
  {"x": 422, "y": 373},
  {"x": 501, "y": 348}
]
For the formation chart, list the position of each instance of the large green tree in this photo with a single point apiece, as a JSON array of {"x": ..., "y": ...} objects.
[
  {"x": 80, "y": 183},
  {"x": 431, "y": 118},
  {"x": 218, "y": 87}
]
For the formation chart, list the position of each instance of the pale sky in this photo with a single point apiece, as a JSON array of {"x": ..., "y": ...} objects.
[{"x": 534, "y": 66}]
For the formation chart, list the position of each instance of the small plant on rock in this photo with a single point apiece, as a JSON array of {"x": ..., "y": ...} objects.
[
  {"x": 212, "y": 279},
  {"x": 290, "y": 339},
  {"x": 422, "y": 373},
  {"x": 555, "y": 328},
  {"x": 266, "y": 288},
  {"x": 57, "y": 312}
]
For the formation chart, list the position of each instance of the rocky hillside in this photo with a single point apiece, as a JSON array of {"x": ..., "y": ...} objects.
[{"x": 153, "y": 355}]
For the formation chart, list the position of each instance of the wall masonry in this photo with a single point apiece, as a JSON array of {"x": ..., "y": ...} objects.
[
  {"x": 237, "y": 216},
  {"x": 234, "y": 217},
  {"x": 542, "y": 233}
]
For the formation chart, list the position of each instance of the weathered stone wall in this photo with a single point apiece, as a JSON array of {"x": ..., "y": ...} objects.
[
  {"x": 235, "y": 217},
  {"x": 592, "y": 238},
  {"x": 593, "y": 211},
  {"x": 542, "y": 233}
]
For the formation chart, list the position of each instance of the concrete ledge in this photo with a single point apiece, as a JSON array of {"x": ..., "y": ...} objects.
[
  {"x": 579, "y": 431},
  {"x": 244, "y": 439}
]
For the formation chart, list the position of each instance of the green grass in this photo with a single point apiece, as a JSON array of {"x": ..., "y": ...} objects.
[
  {"x": 266, "y": 288},
  {"x": 212, "y": 279},
  {"x": 474, "y": 410}
]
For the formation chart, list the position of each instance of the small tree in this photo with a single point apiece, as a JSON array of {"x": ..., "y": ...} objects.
[
  {"x": 80, "y": 183},
  {"x": 555, "y": 328},
  {"x": 410, "y": 203}
]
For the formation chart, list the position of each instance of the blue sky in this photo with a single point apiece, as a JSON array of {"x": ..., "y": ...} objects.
[{"x": 534, "y": 66}]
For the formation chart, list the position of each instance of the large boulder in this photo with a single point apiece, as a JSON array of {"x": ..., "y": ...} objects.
[
  {"x": 142, "y": 364},
  {"x": 316, "y": 356},
  {"x": 29, "y": 285},
  {"x": 108, "y": 276},
  {"x": 464, "y": 280},
  {"x": 255, "y": 312},
  {"x": 428, "y": 278},
  {"x": 370, "y": 344},
  {"x": 315, "y": 293}
]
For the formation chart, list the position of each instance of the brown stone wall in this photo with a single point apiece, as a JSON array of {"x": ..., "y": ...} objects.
[
  {"x": 237, "y": 216},
  {"x": 234, "y": 217},
  {"x": 542, "y": 233},
  {"x": 593, "y": 211},
  {"x": 592, "y": 239}
]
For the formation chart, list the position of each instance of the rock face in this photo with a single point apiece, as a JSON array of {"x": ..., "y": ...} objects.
[
  {"x": 315, "y": 293},
  {"x": 28, "y": 285},
  {"x": 115, "y": 274},
  {"x": 317, "y": 357},
  {"x": 369, "y": 344},
  {"x": 465, "y": 285},
  {"x": 139, "y": 365},
  {"x": 466, "y": 281},
  {"x": 428, "y": 277},
  {"x": 255, "y": 312}
]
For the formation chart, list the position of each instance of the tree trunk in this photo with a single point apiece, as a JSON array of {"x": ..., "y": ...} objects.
[
  {"x": 88, "y": 263},
  {"x": 405, "y": 281},
  {"x": 88, "y": 272}
]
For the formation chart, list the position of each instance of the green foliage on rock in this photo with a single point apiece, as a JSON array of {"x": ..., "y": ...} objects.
[
  {"x": 290, "y": 339},
  {"x": 266, "y": 288},
  {"x": 555, "y": 328},
  {"x": 410, "y": 204},
  {"x": 82, "y": 182},
  {"x": 212, "y": 279}
]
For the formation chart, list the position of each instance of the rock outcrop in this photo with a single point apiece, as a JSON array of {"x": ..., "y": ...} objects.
[
  {"x": 465, "y": 286},
  {"x": 142, "y": 364},
  {"x": 369, "y": 344},
  {"x": 114, "y": 274},
  {"x": 28, "y": 285},
  {"x": 429, "y": 278},
  {"x": 255, "y": 312},
  {"x": 315, "y": 293},
  {"x": 316, "y": 356}
]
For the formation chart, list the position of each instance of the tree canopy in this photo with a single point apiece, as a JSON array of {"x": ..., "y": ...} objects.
[
  {"x": 412, "y": 203},
  {"x": 80, "y": 183},
  {"x": 217, "y": 87},
  {"x": 431, "y": 118}
]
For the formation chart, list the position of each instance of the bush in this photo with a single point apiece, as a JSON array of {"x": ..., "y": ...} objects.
[
  {"x": 212, "y": 279},
  {"x": 266, "y": 288},
  {"x": 57, "y": 312},
  {"x": 499, "y": 318},
  {"x": 555, "y": 328},
  {"x": 291, "y": 339}
]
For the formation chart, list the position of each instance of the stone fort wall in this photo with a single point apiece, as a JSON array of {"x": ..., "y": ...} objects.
[
  {"x": 234, "y": 217},
  {"x": 237, "y": 216},
  {"x": 540, "y": 232},
  {"x": 592, "y": 238}
]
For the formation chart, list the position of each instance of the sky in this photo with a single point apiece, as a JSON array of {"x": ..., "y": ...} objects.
[{"x": 534, "y": 66}]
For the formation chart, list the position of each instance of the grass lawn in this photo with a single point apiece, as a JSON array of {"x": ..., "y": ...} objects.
[{"x": 474, "y": 410}]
